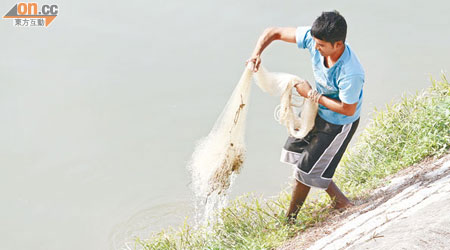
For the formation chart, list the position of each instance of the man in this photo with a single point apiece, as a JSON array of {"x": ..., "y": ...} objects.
[{"x": 339, "y": 80}]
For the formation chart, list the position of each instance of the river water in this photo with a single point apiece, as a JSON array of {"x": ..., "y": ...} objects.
[{"x": 100, "y": 112}]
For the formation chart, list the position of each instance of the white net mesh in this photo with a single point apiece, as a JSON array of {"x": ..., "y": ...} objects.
[
  {"x": 281, "y": 84},
  {"x": 219, "y": 156}
]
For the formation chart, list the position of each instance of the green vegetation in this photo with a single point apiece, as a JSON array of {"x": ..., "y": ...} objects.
[{"x": 403, "y": 134}]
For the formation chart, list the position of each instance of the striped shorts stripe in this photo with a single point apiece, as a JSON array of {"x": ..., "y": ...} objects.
[{"x": 316, "y": 156}]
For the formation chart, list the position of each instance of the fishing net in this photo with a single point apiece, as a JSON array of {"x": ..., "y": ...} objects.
[
  {"x": 282, "y": 84},
  {"x": 219, "y": 156}
]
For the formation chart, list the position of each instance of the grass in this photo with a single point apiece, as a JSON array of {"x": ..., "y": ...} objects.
[
  {"x": 403, "y": 134},
  {"x": 397, "y": 137}
]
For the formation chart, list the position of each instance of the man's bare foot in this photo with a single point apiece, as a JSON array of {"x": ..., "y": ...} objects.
[
  {"x": 291, "y": 219},
  {"x": 339, "y": 201},
  {"x": 343, "y": 205}
]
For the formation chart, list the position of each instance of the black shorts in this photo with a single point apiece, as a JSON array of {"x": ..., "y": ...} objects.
[{"x": 316, "y": 156}]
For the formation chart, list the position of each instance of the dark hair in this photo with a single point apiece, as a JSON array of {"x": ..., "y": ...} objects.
[{"x": 330, "y": 27}]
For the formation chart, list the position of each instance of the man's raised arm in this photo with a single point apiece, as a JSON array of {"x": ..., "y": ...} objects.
[{"x": 286, "y": 34}]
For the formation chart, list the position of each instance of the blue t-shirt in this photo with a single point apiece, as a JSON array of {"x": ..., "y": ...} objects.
[{"x": 344, "y": 81}]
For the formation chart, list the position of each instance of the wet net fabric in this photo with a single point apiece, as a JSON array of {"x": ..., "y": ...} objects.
[
  {"x": 282, "y": 84},
  {"x": 218, "y": 157}
]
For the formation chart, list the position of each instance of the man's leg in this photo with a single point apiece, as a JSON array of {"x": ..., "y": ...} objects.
[
  {"x": 338, "y": 198},
  {"x": 299, "y": 193}
]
